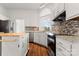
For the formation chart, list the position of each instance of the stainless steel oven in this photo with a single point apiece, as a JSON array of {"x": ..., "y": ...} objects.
[{"x": 52, "y": 45}]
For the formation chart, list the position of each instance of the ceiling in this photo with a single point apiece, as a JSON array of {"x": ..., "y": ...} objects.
[{"x": 33, "y": 6}]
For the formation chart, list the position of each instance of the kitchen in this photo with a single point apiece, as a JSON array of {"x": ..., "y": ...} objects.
[{"x": 53, "y": 26}]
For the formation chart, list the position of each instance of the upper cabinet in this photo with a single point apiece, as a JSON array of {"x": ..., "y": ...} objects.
[
  {"x": 72, "y": 10},
  {"x": 46, "y": 12},
  {"x": 51, "y": 10},
  {"x": 59, "y": 8}
]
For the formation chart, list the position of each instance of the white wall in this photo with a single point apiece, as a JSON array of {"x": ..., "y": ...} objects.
[
  {"x": 2, "y": 10},
  {"x": 3, "y": 14},
  {"x": 31, "y": 17}
]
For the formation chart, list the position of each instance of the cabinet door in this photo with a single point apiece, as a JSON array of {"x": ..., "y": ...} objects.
[
  {"x": 10, "y": 48},
  {"x": 59, "y": 8},
  {"x": 72, "y": 10},
  {"x": 27, "y": 42},
  {"x": 19, "y": 26},
  {"x": 61, "y": 51},
  {"x": 63, "y": 45},
  {"x": 46, "y": 12},
  {"x": 40, "y": 38},
  {"x": 36, "y": 38},
  {"x": 24, "y": 44},
  {"x": 75, "y": 48},
  {"x": 43, "y": 39},
  {"x": 62, "y": 41},
  {"x": 51, "y": 6}
]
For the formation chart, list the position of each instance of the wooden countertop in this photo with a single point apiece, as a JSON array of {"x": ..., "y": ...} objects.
[
  {"x": 11, "y": 34},
  {"x": 8, "y": 40}
]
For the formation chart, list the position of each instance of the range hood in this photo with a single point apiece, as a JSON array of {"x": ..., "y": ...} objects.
[{"x": 61, "y": 17}]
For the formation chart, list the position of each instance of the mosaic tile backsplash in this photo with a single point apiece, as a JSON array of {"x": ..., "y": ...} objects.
[{"x": 69, "y": 27}]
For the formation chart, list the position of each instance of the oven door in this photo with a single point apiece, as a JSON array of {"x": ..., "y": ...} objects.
[{"x": 51, "y": 46}]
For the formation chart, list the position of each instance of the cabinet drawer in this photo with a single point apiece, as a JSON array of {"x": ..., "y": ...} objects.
[
  {"x": 10, "y": 37},
  {"x": 66, "y": 47},
  {"x": 9, "y": 43},
  {"x": 64, "y": 40},
  {"x": 62, "y": 51},
  {"x": 64, "y": 43},
  {"x": 59, "y": 54}
]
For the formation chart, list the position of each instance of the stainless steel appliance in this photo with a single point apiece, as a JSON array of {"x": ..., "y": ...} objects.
[
  {"x": 52, "y": 45},
  {"x": 4, "y": 26}
]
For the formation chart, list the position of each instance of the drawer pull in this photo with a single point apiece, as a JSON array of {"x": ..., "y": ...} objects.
[
  {"x": 18, "y": 45},
  {"x": 60, "y": 43}
]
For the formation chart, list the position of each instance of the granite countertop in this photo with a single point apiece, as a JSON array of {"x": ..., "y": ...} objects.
[
  {"x": 38, "y": 31},
  {"x": 66, "y": 35}
]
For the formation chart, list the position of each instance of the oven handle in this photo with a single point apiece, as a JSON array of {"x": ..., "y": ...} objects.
[{"x": 51, "y": 39}]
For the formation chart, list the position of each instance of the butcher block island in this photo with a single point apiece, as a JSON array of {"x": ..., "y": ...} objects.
[{"x": 14, "y": 44}]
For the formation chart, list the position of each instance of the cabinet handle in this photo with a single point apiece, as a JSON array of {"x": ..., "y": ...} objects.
[
  {"x": 18, "y": 45},
  {"x": 60, "y": 43}
]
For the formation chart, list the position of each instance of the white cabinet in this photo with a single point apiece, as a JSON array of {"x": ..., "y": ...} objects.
[
  {"x": 17, "y": 47},
  {"x": 63, "y": 46},
  {"x": 51, "y": 11},
  {"x": 24, "y": 44},
  {"x": 40, "y": 38},
  {"x": 46, "y": 12},
  {"x": 72, "y": 10},
  {"x": 67, "y": 45},
  {"x": 59, "y": 8},
  {"x": 10, "y": 48},
  {"x": 75, "y": 48},
  {"x": 36, "y": 37},
  {"x": 43, "y": 38}
]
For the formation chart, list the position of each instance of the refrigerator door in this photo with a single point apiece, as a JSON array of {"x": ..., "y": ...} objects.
[{"x": 19, "y": 26}]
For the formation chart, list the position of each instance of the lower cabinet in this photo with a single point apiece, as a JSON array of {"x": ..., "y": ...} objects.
[
  {"x": 67, "y": 46},
  {"x": 24, "y": 44},
  {"x": 75, "y": 48},
  {"x": 40, "y": 38},
  {"x": 10, "y": 48},
  {"x": 61, "y": 51}
]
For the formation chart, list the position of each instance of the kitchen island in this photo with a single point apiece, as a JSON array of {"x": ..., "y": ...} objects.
[{"x": 14, "y": 44}]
